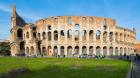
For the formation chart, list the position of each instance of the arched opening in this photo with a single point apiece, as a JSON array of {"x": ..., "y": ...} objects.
[
  {"x": 55, "y": 35},
  {"x": 62, "y": 51},
  {"x": 105, "y": 51},
  {"x": 70, "y": 21},
  {"x": 116, "y": 37},
  {"x": 121, "y": 37},
  {"x": 44, "y": 35},
  {"x": 104, "y": 27},
  {"x": 76, "y": 35},
  {"x": 111, "y": 51},
  {"x": 111, "y": 36},
  {"x": 49, "y": 27},
  {"x": 69, "y": 34},
  {"x": 116, "y": 51},
  {"x": 32, "y": 50},
  {"x": 22, "y": 48},
  {"x": 69, "y": 51},
  {"x": 91, "y": 50},
  {"x": 76, "y": 27},
  {"x": 55, "y": 50},
  {"x": 62, "y": 35},
  {"x": 49, "y": 51},
  {"x": 27, "y": 34},
  {"x": 125, "y": 37},
  {"x": 84, "y": 35},
  {"x": 39, "y": 36},
  {"x": 98, "y": 50},
  {"x": 98, "y": 34},
  {"x": 121, "y": 50},
  {"x": 27, "y": 50},
  {"x": 105, "y": 36},
  {"x": 76, "y": 50},
  {"x": 34, "y": 34},
  {"x": 84, "y": 50},
  {"x": 91, "y": 35},
  {"x": 20, "y": 33},
  {"x": 49, "y": 36},
  {"x": 44, "y": 51}
]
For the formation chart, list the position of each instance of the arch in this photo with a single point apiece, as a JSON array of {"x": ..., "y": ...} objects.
[
  {"x": 98, "y": 34},
  {"x": 84, "y": 50},
  {"x": 55, "y": 51},
  {"x": 116, "y": 37},
  {"x": 98, "y": 50},
  {"x": 39, "y": 36},
  {"x": 105, "y": 50},
  {"x": 34, "y": 34},
  {"x": 27, "y": 50},
  {"x": 32, "y": 50},
  {"x": 49, "y": 27},
  {"x": 90, "y": 50},
  {"x": 76, "y": 27},
  {"x": 121, "y": 50},
  {"x": 84, "y": 35},
  {"x": 105, "y": 36},
  {"x": 70, "y": 21},
  {"x": 62, "y": 33},
  {"x": 22, "y": 46},
  {"x": 20, "y": 33},
  {"x": 76, "y": 50},
  {"x": 27, "y": 34},
  {"x": 121, "y": 37},
  {"x": 44, "y": 51},
  {"x": 116, "y": 51},
  {"x": 55, "y": 35},
  {"x": 69, "y": 34},
  {"x": 62, "y": 51},
  {"x": 49, "y": 36},
  {"x": 76, "y": 35},
  {"x": 49, "y": 51},
  {"x": 69, "y": 51},
  {"x": 111, "y": 51},
  {"x": 44, "y": 35},
  {"x": 111, "y": 36},
  {"x": 104, "y": 27},
  {"x": 91, "y": 35}
]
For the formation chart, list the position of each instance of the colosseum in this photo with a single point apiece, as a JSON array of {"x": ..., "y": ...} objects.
[{"x": 70, "y": 36}]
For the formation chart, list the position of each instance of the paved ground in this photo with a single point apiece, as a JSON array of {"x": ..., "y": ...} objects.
[{"x": 136, "y": 69}]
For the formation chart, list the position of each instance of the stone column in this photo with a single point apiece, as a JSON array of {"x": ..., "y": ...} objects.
[
  {"x": 66, "y": 38},
  {"x": 58, "y": 36},
  {"x": 80, "y": 50},
  {"x": 94, "y": 52},
  {"x": 65, "y": 49},
  {"x": 108, "y": 53},
  {"x": 101, "y": 50},
  {"x": 58, "y": 50},
  {"x": 52, "y": 36},
  {"x": 87, "y": 50}
]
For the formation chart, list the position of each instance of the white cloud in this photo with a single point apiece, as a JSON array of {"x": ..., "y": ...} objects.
[{"x": 8, "y": 8}]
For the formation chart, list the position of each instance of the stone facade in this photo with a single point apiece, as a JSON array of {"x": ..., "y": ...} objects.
[{"x": 70, "y": 36}]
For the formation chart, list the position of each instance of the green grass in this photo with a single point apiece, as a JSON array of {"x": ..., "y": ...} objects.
[{"x": 66, "y": 67}]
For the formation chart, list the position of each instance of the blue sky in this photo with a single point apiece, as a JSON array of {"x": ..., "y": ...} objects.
[{"x": 126, "y": 12}]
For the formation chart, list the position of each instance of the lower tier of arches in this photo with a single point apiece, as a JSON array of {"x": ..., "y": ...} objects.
[{"x": 70, "y": 51}]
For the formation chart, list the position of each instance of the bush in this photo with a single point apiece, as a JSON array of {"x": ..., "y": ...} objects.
[{"x": 5, "y": 48}]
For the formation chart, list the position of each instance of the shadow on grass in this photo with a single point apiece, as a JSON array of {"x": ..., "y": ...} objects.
[{"x": 56, "y": 71}]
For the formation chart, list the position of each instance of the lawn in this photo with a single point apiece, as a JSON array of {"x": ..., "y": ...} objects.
[{"x": 66, "y": 67}]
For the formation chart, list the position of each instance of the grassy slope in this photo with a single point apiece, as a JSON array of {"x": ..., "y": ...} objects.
[{"x": 67, "y": 68}]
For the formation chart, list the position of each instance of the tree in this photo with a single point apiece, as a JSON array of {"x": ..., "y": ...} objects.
[{"x": 5, "y": 48}]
